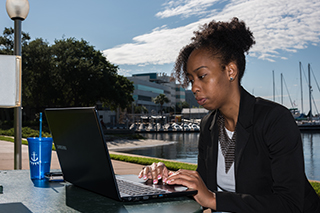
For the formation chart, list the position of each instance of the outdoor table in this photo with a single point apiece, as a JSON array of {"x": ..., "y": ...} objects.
[{"x": 21, "y": 194}]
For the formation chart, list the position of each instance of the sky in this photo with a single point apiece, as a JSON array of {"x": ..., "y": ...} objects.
[{"x": 143, "y": 36}]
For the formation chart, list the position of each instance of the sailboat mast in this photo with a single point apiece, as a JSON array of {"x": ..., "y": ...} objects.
[
  {"x": 281, "y": 89},
  {"x": 274, "y": 95},
  {"x": 310, "y": 90},
  {"x": 301, "y": 87}
]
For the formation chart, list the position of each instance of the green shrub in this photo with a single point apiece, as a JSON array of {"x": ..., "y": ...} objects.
[
  {"x": 26, "y": 132},
  {"x": 8, "y": 132}
]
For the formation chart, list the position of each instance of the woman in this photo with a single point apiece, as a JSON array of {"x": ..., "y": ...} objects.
[{"x": 250, "y": 151}]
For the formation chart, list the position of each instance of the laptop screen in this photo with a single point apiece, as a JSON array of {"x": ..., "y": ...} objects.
[{"x": 82, "y": 150}]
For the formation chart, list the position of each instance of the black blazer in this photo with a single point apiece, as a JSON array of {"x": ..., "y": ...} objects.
[{"x": 269, "y": 162}]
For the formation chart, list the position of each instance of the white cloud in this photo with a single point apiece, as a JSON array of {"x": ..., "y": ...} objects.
[
  {"x": 278, "y": 25},
  {"x": 185, "y": 8},
  {"x": 158, "y": 47},
  {"x": 124, "y": 72}
]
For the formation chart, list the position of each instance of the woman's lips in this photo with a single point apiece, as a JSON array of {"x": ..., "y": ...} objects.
[{"x": 201, "y": 101}]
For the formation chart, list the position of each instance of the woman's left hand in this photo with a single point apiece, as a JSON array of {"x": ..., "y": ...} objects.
[{"x": 192, "y": 179}]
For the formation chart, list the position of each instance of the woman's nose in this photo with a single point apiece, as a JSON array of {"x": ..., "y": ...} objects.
[{"x": 195, "y": 88}]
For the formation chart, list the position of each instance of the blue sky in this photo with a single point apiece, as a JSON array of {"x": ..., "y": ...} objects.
[{"x": 145, "y": 36}]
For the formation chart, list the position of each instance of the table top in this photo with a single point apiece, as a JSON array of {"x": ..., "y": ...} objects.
[{"x": 21, "y": 194}]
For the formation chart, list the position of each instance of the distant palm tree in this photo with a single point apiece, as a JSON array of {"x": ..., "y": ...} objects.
[{"x": 161, "y": 99}]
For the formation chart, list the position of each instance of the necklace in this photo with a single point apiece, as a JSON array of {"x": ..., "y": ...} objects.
[{"x": 227, "y": 145}]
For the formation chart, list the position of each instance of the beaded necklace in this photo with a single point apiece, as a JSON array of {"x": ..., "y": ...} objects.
[{"x": 227, "y": 145}]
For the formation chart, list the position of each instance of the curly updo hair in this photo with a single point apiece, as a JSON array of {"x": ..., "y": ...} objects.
[{"x": 228, "y": 41}]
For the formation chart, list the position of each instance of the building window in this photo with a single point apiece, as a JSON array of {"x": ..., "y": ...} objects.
[
  {"x": 151, "y": 75},
  {"x": 144, "y": 98},
  {"x": 149, "y": 89}
]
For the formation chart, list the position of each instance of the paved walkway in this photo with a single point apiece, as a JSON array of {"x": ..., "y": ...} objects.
[{"x": 120, "y": 167}]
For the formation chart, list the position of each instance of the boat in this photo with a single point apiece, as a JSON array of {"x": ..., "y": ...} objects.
[
  {"x": 308, "y": 122},
  {"x": 306, "y": 125}
]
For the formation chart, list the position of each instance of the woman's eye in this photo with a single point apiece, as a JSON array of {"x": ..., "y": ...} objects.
[
  {"x": 191, "y": 81},
  {"x": 202, "y": 76}
]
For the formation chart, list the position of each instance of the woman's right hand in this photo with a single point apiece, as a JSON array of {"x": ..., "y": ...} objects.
[{"x": 155, "y": 172}]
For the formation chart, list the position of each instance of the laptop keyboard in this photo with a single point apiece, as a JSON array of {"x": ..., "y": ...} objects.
[{"x": 131, "y": 188}]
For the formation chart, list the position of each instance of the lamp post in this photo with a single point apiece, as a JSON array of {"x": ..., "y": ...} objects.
[{"x": 18, "y": 11}]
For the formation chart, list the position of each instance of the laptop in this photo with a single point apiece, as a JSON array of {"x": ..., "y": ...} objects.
[{"x": 85, "y": 162}]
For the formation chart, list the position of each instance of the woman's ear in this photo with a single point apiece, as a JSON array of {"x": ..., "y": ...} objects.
[{"x": 232, "y": 71}]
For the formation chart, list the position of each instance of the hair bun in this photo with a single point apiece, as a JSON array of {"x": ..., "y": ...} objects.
[
  {"x": 234, "y": 34},
  {"x": 243, "y": 42}
]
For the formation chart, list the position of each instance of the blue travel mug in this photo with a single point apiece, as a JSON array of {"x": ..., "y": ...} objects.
[{"x": 39, "y": 156}]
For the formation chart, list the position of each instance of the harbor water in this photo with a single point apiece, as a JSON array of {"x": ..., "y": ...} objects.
[{"x": 186, "y": 149}]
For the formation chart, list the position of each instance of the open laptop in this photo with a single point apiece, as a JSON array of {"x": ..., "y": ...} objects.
[{"x": 85, "y": 162}]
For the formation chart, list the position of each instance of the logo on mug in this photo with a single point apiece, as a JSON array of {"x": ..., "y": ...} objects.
[{"x": 34, "y": 160}]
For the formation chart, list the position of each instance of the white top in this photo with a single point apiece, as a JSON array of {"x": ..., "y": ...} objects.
[{"x": 225, "y": 181}]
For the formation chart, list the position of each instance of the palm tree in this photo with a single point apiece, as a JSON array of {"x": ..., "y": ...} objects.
[{"x": 161, "y": 99}]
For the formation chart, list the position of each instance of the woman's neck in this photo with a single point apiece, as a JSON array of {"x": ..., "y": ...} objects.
[{"x": 230, "y": 111}]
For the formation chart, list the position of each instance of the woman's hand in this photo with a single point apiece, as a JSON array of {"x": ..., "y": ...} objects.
[
  {"x": 155, "y": 172},
  {"x": 192, "y": 179}
]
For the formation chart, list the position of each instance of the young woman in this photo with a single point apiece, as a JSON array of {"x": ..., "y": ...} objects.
[{"x": 250, "y": 150}]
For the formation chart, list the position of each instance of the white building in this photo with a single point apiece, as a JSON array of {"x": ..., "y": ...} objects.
[{"x": 150, "y": 85}]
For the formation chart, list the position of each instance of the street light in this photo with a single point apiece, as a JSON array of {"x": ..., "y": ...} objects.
[{"x": 18, "y": 11}]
